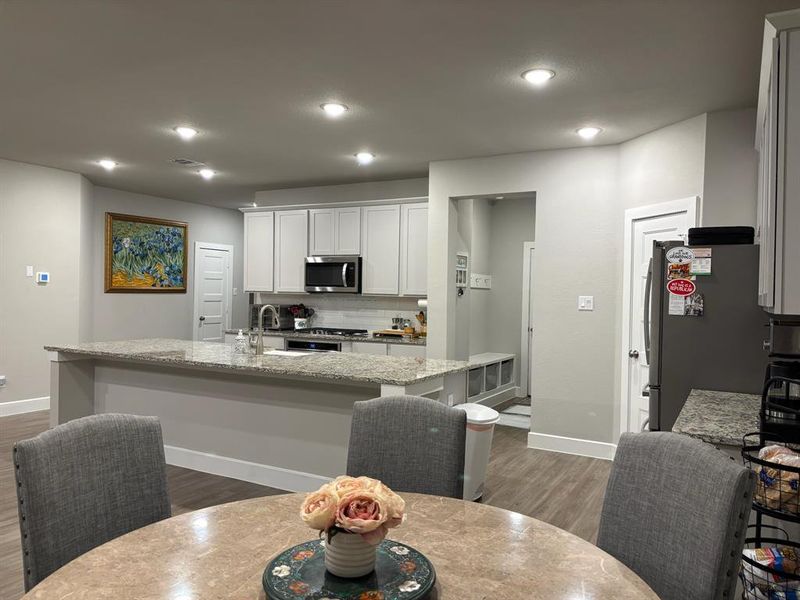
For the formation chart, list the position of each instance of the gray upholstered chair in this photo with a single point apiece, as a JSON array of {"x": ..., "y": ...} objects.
[
  {"x": 675, "y": 512},
  {"x": 411, "y": 444},
  {"x": 84, "y": 483}
]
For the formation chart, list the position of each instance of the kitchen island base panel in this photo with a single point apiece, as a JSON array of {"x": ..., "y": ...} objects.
[{"x": 286, "y": 433}]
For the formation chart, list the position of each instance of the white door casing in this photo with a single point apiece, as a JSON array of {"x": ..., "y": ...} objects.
[
  {"x": 526, "y": 331},
  {"x": 213, "y": 291},
  {"x": 657, "y": 222}
]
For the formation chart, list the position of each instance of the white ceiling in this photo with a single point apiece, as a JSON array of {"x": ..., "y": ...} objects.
[{"x": 425, "y": 79}]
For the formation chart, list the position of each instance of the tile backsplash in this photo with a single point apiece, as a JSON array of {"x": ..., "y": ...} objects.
[{"x": 352, "y": 312}]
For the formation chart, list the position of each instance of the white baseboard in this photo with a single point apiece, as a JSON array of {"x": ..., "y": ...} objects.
[
  {"x": 18, "y": 407},
  {"x": 500, "y": 397},
  {"x": 568, "y": 445},
  {"x": 276, "y": 477}
]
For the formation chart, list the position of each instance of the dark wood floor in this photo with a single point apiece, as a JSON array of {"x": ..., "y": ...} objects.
[{"x": 566, "y": 491}]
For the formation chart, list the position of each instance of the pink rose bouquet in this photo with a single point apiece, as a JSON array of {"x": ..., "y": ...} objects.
[{"x": 359, "y": 505}]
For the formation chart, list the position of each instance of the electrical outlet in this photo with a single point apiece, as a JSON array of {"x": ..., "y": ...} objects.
[
  {"x": 235, "y": 291},
  {"x": 585, "y": 302},
  {"x": 29, "y": 271},
  {"x": 2, "y": 381},
  {"x": 451, "y": 400}
]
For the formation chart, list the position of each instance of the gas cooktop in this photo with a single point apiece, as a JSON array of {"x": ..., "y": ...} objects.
[{"x": 337, "y": 331}]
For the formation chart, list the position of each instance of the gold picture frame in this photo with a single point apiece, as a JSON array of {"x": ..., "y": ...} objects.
[{"x": 145, "y": 255}]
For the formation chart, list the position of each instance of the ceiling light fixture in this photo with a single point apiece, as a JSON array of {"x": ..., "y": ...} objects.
[
  {"x": 186, "y": 133},
  {"x": 538, "y": 76},
  {"x": 107, "y": 164},
  {"x": 334, "y": 109},
  {"x": 364, "y": 158},
  {"x": 206, "y": 173},
  {"x": 588, "y": 133}
]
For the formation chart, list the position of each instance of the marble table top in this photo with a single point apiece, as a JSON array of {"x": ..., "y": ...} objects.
[
  {"x": 478, "y": 551},
  {"x": 341, "y": 366},
  {"x": 719, "y": 418}
]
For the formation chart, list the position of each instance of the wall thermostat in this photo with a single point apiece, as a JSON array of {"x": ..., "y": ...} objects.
[{"x": 42, "y": 277}]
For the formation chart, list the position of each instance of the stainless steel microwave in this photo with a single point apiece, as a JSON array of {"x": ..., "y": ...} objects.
[{"x": 337, "y": 274}]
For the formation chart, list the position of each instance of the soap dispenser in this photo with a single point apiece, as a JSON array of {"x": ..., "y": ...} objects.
[{"x": 240, "y": 344}]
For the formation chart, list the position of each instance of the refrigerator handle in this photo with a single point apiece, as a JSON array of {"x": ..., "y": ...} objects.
[{"x": 646, "y": 317}]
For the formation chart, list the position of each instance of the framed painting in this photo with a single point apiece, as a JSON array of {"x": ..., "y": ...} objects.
[{"x": 145, "y": 255}]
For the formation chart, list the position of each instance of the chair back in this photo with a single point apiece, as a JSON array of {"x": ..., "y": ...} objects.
[
  {"x": 84, "y": 483},
  {"x": 412, "y": 444},
  {"x": 675, "y": 512}
]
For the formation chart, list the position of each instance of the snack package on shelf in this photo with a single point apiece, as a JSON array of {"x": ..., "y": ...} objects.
[
  {"x": 770, "y": 585},
  {"x": 777, "y": 488}
]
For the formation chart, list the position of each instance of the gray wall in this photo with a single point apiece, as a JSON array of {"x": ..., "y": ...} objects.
[
  {"x": 513, "y": 223},
  {"x": 125, "y": 316},
  {"x": 581, "y": 196},
  {"x": 353, "y": 192},
  {"x": 731, "y": 168},
  {"x": 43, "y": 217}
]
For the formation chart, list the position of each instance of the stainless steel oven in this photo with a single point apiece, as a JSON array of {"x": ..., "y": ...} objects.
[{"x": 337, "y": 274}]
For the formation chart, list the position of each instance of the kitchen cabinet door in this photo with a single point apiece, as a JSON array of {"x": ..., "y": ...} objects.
[
  {"x": 409, "y": 350},
  {"x": 291, "y": 244},
  {"x": 373, "y": 348},
  {"x": 414, "y": 249},
  {"x": 347, "y": 230},
  {"x": 320, "y": 232},
  {"x": 380, "y": 240},
  {"x": 259, "y": 251}
]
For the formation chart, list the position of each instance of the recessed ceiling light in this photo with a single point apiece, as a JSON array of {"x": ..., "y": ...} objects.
[
  {"x": 107, "y": 164},
  {"x": 364, "y": 158},
  {"x": 206, "y": 173},
  {"x": 186, "y": 133},
  {"x": 538, "y": 76},
  {"x": 588, "y": 133},
  {"x": 334, "y": 109}
]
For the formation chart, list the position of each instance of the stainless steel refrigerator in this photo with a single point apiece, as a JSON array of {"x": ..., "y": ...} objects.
[{"x": 718, "y": 341}]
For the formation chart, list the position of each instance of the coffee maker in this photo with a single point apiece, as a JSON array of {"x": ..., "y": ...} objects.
[{"x": 780, "y": 401}]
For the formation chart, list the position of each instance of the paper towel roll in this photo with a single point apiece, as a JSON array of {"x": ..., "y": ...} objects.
[{"x": 422, "y": 303}]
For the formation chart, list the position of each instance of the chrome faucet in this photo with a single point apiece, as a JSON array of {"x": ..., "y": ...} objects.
[{"x": 260, "y": 344}]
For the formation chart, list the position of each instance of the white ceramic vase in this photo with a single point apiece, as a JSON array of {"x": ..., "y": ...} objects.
[{"x": 348, "y": 555}]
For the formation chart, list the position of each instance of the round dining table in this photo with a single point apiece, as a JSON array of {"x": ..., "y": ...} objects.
[{"x": 478, "y": 551}]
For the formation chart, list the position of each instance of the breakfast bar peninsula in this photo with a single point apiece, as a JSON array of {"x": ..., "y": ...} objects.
[{"x": 279, "y": 419}]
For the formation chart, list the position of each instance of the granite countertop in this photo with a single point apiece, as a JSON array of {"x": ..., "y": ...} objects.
[
  {"x": 420, "y": 341},
  {"x": 341, "y": 366},
  {"x": 719, "y": 418}
]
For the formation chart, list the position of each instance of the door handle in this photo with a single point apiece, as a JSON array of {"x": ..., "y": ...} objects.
[
  {"x": 646, "y": 317},
  {"x": 202, "y": 318},
  {"x": 646, "y": 390},
  {"x": 633, "y": 353},
  {"x": 344, "y": 275}
]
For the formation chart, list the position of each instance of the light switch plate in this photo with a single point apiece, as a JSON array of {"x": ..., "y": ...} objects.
[
  {"x": 585, "y": 302},
  {"x": 479, "y": 281}
]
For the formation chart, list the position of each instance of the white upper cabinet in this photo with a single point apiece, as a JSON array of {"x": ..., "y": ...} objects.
[
  {"x": 259, "y": 251},
  {"x": 380, "y": 249},
  {"x": 334, "y": 231},
  {"x": 414, "y": 249},
  {"x": 291, "y": 245},
  {"x": 347, "y": 230},
  {"x": 778, "y": 141},
  {"x": 320, "y": 232}
]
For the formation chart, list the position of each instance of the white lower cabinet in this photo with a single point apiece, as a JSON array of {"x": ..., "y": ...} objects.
[
  {"x": 407, "y": 350},
  {"x": 370, "y": 348}
]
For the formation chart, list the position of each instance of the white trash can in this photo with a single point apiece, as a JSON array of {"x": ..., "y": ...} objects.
[{"x": 480, "y": 428}]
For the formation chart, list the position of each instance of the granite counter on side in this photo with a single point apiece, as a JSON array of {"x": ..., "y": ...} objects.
[
  {"x": 719, "y": 418},
  {"x": 278, "y": 419}
]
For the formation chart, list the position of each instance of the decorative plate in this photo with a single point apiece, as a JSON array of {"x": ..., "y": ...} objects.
[{"x": 401, "y": 573}]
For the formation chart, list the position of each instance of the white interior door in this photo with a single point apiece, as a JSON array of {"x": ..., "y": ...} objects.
[
  {"x": 654, "y": 223},
  {"x": 529, "y": 365},
  {"x": 212, "y": 291}
]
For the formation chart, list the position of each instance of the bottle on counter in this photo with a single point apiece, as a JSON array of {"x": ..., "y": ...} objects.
[{"x": 240, "y": 344}]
